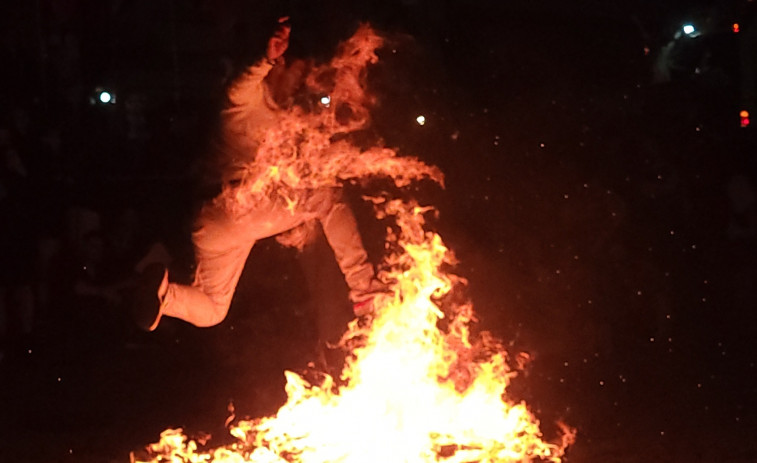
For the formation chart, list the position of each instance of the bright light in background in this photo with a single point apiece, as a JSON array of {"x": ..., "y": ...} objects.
[
  {"x": 688, "y": 29},
  {"x": 735, "y": 28},
  {"x": 744, "y": 117},
  {"x": 421, "y": 120},
  {"x": 103, "y": 96},
  {"x": 325, "y": 100}
]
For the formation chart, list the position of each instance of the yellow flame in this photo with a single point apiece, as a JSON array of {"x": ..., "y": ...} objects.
[{"x": 410, "y": 393}]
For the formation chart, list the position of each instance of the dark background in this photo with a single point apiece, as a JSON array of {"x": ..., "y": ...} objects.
[{"x": 603, "y": 214}]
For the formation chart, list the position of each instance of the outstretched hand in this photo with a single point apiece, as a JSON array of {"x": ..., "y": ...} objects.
[{"x": 279, "y": 42}]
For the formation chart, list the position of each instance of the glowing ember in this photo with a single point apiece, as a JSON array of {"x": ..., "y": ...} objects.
[{"x": 410, "y": 391}]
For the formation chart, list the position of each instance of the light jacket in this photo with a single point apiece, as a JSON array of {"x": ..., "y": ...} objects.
[{"x": 249, "y": 111}]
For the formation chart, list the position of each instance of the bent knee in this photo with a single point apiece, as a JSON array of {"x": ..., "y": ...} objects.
[{"x": 212, "y": 317}]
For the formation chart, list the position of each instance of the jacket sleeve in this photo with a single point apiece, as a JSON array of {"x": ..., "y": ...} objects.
[
  {"x": 249, "y": 89},
  {"x": 248, "y": 112}
]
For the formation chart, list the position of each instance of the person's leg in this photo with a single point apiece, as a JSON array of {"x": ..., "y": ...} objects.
[
  {"x": 222, "y": 246},
  {"x": 222, "y": 242},
  {"x": 206, "y": 302},
  {"x": 341, "y": 231},
  {"x": 326, "y": 287}
]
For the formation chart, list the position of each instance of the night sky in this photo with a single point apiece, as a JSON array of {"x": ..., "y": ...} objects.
[{"x": 605, "y": 218}]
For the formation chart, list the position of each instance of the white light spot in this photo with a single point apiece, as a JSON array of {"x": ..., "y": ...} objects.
[
  {"x": 688, "y": 29},
  {"x": 325, "y": 100},
  {"x": 421, "y": 120},
  {"x": 105, "y": 97}
]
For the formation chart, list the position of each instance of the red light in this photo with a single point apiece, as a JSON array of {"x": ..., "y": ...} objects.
[
  {"x": 735, "y": 28},
  {"x": 744, "y": 122}
]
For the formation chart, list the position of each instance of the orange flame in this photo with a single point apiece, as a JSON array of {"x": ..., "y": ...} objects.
[
  {"x": 310, "y": 149},
  {"x": 410, "y": 391}
]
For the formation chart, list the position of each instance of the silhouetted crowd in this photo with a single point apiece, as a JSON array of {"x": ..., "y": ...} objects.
[{"x": 70, "y": 244}]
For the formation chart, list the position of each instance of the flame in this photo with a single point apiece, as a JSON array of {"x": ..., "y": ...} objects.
[
  {"x": 410, "y": 392},
  {"x": 416, "y": 387},
  {"x": 311, "y": 148}
]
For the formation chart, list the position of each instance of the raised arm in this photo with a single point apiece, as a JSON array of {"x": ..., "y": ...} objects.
[{"x": 248, "y": 88}]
